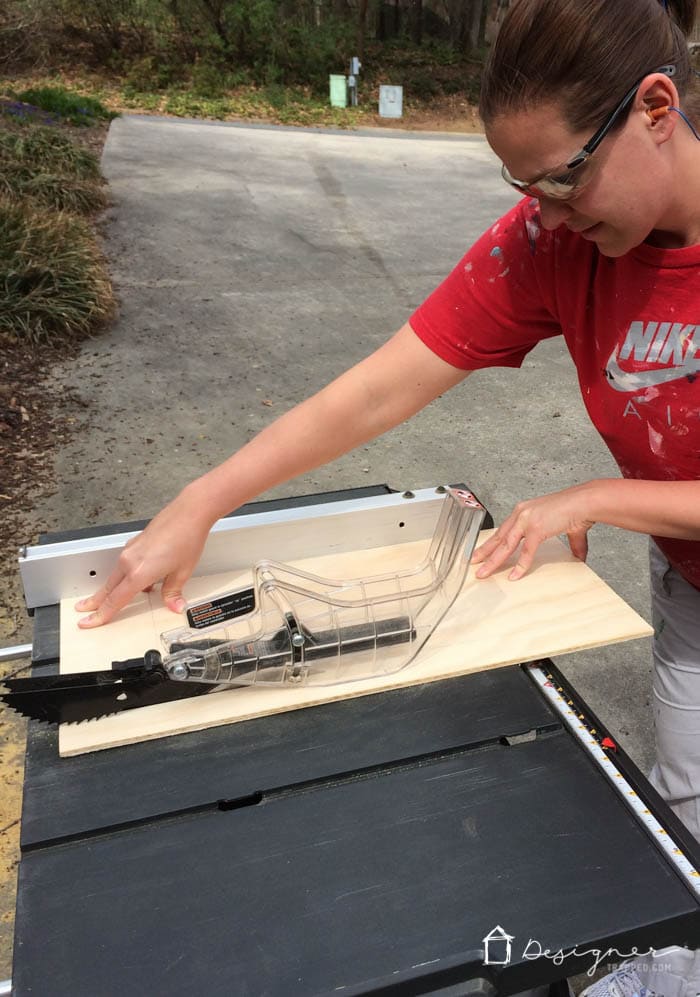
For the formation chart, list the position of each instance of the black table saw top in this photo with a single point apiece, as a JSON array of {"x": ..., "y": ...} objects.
[{"x": 363, "y": 846}]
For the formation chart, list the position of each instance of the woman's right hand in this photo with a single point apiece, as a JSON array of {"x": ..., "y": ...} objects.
[{"x": 168, "y": 550}]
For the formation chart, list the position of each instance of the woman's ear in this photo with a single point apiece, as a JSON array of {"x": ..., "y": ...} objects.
[
  {"x": 656, "y": 95},
  {"x": 656, "y": 98}
]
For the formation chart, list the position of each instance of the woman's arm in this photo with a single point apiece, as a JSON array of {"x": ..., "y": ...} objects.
[
  {"x": 380, "y": 392},
  {"x": 661, "y": 508}
]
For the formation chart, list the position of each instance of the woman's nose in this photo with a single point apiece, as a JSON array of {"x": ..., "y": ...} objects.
[{"x": 553, "y": 213}]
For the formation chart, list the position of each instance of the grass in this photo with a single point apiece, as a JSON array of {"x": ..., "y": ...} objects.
[
  {"x": 53, "y": 283},
  {"x": 53, "y": 280},
  {"x": 75, "y": 108},
  {"x": 45, "y": 166},
  {"x": 49, "y": 151},
  {"x": 277, "y": 105},
  {"x": 274, "y": 104},
  {"x": 50, "y": 190},
  {"x": 433, "y": 77}
]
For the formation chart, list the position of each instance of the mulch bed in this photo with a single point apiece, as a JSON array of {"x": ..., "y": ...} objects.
[{"x": 35, "y": 416}]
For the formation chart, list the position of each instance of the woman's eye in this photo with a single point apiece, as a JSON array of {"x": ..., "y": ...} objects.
[
  {"x": 567, "y": 179},
  {"x": 571, "y": 176}
]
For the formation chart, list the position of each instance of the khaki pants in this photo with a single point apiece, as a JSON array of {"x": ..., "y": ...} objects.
[
  {"x": 676, "y": 690},
  {"x": 675, "y": 605}
]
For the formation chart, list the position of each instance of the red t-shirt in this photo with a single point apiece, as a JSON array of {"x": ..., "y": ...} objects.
[{"x": 632, "y": 326}]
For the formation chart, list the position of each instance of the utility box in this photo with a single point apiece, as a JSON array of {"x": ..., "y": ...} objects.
[
  {"x": 390, "y": 102},
  {"x": 339, "y": 91}
]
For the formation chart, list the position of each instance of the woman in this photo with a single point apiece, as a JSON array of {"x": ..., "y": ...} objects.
[{"x": 592, "y": 106}]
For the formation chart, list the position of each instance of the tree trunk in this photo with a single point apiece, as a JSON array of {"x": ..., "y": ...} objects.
[
  {"x": 458, "y": 15},
  {"x": 478, "y": 7},
  {"x": 417, "y": 21},
  {"x": 362, "y": 22},
  {"x": 483, "y": 18}
]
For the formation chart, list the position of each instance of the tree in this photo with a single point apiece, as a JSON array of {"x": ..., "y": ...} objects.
[
  {"x": 416, "y": 20},
  {"x": 362, "y": 24},
  {"x": 477, "y": 26}
]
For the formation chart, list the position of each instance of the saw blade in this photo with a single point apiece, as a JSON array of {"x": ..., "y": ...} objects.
[{"x": 82, "y": 696}]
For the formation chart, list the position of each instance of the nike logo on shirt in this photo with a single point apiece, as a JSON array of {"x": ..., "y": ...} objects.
[{"x": 670, "y": 346}]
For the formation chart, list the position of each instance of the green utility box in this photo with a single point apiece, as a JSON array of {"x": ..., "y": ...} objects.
[{"x": 339, "y": 91}]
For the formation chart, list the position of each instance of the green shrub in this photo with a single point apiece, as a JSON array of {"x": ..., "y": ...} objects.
[
  {"x": 49, "y": 151},
  {"x": 305, "y": 53},
  {"x": 151, "y": 73},
  {"x": 423, "y": 86},
  {"x": 238, "y": 78},
  {"x": 72, "y": 107},
  {"x": 208, "y": 80},
  {"x": 276, "y": 96},
  {"x": 453, "y": 85},
  {"x": 49, "y": 168},
  {"x": 53, "y": 281},
  {"x": 472, "y": 89},
  {"x": 62, "y": 193}
]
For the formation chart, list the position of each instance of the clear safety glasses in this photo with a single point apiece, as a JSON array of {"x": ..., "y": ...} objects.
[{"x": 566, "y": 181}]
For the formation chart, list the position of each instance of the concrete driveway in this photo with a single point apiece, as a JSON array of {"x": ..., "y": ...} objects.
[{"x": 255, "y": 263}]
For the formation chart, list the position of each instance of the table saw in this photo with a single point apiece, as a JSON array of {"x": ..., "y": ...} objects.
[{"x": 388, "y": 842}]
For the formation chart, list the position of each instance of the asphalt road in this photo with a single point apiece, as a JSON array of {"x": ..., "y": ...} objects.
[{"x": 255, "y": 263}]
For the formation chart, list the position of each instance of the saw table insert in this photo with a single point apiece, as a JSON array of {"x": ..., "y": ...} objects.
[{"x": 560, "y": 606}]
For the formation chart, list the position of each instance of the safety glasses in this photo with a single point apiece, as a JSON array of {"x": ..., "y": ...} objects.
[{"x": 566, "y": 181}]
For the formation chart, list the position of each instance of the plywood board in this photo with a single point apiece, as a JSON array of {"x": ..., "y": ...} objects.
[{"x": 560, "y": 606}]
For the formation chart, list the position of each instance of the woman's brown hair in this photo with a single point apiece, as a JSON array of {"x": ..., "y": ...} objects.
[{"x": 585, "y": 55}]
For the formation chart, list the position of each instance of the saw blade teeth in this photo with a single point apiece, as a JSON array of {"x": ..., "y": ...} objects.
[
  {"x": 87, "y": 720},
  {"x": 27, "y": 716},
  {"x": 92, "y": 720}
]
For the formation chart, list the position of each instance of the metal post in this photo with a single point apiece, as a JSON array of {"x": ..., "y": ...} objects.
[
  {"x": 9, "y": 654},
  {"x": 355, "y": 67}
]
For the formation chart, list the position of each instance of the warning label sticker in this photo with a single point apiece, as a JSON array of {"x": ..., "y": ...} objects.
[{"x": 219, "y": 610}]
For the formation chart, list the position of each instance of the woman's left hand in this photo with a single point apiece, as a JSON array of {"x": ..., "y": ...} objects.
[{"x": 536, "y": 520}]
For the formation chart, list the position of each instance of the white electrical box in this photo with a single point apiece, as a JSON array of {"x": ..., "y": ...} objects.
[{"x": 390, "y": 102}]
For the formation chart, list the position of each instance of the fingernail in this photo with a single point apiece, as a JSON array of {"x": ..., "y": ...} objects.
[
  {"x": 481, "y": 572},
  {"x": 179, "y": 605},
  {"x": 80, "y": 604},
  {"x": 515, "y": 574},
  {"x": 86, "y": 621}
]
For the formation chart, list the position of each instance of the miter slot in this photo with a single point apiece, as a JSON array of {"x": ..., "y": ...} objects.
[
  {"x": 510, "y": 740},
  {"x": 260, "y": 797}
]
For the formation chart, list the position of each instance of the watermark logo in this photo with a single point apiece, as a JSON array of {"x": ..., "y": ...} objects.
[
  {"x": 497, "y": 947},
  {"x": 498, "y": 951}
]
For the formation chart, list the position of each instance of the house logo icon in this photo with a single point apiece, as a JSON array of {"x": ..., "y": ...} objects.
[{"x": 497, "y": 947}]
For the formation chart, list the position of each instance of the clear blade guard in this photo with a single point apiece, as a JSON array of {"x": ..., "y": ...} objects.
[{"x": 309, "y": 630}]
